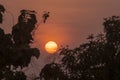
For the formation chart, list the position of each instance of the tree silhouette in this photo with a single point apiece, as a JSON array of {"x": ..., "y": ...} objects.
[
  {"x": 52, "y": 71},
  {"x": 14, "y": 48},
  {"x": 112, "y": 30},
  {"x": 81, "y": 63},
  {"x": 2, "y": 10},
  {"x": 98, "y": 59}
]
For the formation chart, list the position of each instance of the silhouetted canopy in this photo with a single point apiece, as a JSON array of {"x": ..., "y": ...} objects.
[
  {"x": 52, "y": 71},
  {"x": 22, "y": 30},
  {"x": 15, "y": 50}
]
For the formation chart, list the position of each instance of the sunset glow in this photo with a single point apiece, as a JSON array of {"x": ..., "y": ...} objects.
[{"x": 59, "y": 39}]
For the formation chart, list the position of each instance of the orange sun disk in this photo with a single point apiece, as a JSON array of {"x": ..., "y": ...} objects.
[{"x": 51, "y": 47}]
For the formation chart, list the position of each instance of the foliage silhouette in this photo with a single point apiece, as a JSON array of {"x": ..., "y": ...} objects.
[
  {"x": 14, "y": 48},
  {"x": 2, "y": 10},
  {"x": 98, "y": 59},
  {"x": 45, "y": 16},
  {"x": 112, "y": 30},
  {"x": 81, "y": 63},
  {"x": 52, "y": 71}
]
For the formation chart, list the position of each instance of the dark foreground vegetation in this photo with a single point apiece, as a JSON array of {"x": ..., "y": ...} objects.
[{"x": 14, "y": 48}]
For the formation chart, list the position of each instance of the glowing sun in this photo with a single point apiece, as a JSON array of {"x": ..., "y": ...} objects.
[{"x": 51, "y": 47}]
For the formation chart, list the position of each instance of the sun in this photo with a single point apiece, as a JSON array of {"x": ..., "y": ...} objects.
[{"x": 51, "y": 47}]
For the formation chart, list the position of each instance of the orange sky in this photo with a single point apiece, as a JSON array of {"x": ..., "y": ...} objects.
[{"x": 70, "y": 20}]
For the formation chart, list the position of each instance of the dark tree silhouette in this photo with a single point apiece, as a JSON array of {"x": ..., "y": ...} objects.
[
  {"x": 52, "y": 71},
  {"x": 22, "y": 38},
  {"x": 97, "y": 59},
  {"x": 112, "y": 30},
  {"x": 22, "y": 30},
  {"x": 81, "y": 63},
  {"x": 2, "y": 10},
  {"x": 14, "y": 48}
]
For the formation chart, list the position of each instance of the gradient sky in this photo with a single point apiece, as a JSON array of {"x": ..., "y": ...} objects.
[{"x": 70, "y": 20}]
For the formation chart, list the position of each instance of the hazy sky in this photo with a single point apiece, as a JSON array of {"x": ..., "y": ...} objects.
[{"x": 70, "y": 20}]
